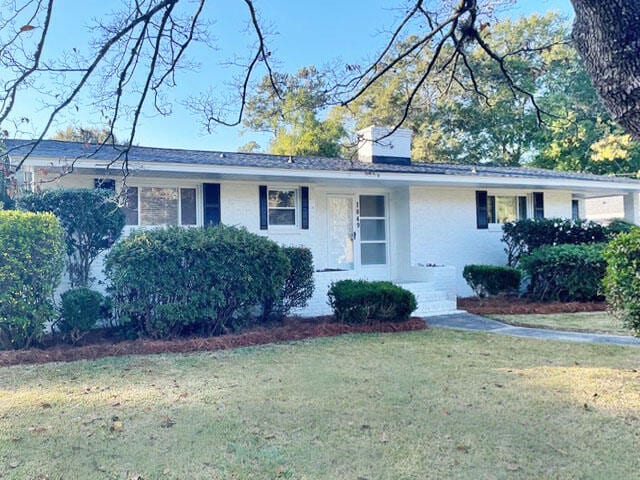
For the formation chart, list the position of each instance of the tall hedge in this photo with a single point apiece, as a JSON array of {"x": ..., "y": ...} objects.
[
  {"x": 622, "y": 279},
  {"x": 524, "y": 236},
  {"x": 565, "y": 272},
  {"x": 31, "y": 263},
  {"x": 172, "y": 281},
  {"x": 92, "y": 222}
]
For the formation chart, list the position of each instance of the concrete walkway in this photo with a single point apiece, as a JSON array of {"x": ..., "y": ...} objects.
[{"x": 471, "y": 322}]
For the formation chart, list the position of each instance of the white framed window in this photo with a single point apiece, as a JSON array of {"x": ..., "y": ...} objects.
[
  {"x": 506, "y": 208},
  {"x": 282, "y": 204},
  {"x": 158, "y": 206},
  {"x": 372, "y": 220}
]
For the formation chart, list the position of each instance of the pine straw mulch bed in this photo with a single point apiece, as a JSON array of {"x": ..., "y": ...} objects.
[
  {"x": 291, "y": 329},
  {"x": 509, "y": 305}
]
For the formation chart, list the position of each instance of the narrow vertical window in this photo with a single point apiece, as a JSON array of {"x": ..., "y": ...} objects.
[
  {"x": 373, "y": 230},
  {"x": 130, "y": 206}
]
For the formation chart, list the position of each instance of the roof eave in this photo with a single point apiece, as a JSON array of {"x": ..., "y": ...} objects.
[{"x": 588, "y": 187}]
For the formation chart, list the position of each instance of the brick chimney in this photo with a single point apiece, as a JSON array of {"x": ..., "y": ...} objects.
[{"x": 394, "y": 149}]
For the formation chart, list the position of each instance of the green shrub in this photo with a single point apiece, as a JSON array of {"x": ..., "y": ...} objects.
[
  {"x": 359, "y": 301},
  {"x": 176, "y": 280},
  {"x": 618, "y": 226},
  {"x": 565, "y": 272},
  {"x": 31, "y": 262},
  {"x": 298, "y": 286},
  {"x": 80, "y": 310},
  {"x": 92, "y": 222},
  {"x": 491, "y": 279},
  {"x": 524, "y": 236},
  {"x": 622, "y": 279}
]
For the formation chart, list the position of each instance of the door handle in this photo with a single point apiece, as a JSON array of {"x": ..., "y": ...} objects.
[{"x": 353, "y": 236}]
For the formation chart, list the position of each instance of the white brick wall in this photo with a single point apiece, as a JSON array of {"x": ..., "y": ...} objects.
[{"x": 427, "y": 225}]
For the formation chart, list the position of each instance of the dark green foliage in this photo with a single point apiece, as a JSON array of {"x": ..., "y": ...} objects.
[
  {"x": 491, "y": 279},
  {"x": 359, "y": 301},
  {"x": 298, "y": 286},
  {"x": 622, "y": 279},
  {"x": 524, "y": 236},
  {"x": 565, "y": 272},
  {"x": 6, "y": 202},
  {"x": 31, "y": 262},
  {"x": 174, "y": 281},
  {"x": 618, "y": 226},
  {"x": 92, "y": 222},
  {"x": 80, "y": 310}
]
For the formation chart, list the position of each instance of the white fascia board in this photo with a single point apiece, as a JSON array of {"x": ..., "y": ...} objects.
[{"x": 410, "y": 179}]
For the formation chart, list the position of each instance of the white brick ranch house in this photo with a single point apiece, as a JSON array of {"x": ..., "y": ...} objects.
[{"x": 380, "y": 217}]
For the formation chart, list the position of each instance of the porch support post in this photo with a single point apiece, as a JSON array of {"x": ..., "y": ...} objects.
[{"x": 632, "y": 208}]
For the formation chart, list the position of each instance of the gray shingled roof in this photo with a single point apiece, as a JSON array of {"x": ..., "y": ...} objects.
[{"x": 71, "y": 150}]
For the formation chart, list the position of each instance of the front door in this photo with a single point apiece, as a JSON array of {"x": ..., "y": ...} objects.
[
  {"x": 357, "y": 232},
  {"x": 341, "y": 232}
]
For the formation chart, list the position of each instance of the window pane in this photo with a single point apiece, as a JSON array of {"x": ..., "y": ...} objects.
[
  {"x": 491, "y": 209},
  {"x": 158, "y": 206},
  {"x": 282, "y": 198},
  {"x": 522, "y": 208},
  {"x": 371, "y": 206},
  {"x": 506, "y": 209},
  {"x": 283, "y": 216},
  {"x": 373, "y": 253},
  {"x": 188, "y": 206},
  {"x": 130, "y": 207},
  {"x": 372, "y": 230}
]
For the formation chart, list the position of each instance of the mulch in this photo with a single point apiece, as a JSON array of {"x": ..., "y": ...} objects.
[
  {"x": 291, "y": 329},
  {"x": 510, "y": 305}
]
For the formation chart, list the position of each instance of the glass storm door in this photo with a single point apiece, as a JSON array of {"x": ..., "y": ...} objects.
[
  {"x": 372, "y": 223},
  {"x": 341, "y": 232}
]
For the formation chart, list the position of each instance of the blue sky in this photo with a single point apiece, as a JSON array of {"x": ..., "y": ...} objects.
[{"x": 302, "y": 33}]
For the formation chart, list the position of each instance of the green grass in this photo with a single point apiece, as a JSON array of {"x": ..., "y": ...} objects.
[
  {"x": 594, "y": 322},
  {"x": 431, "y": 404}
]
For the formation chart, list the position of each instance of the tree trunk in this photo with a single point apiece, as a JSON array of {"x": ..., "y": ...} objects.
[{"x": 606, "y": 33}]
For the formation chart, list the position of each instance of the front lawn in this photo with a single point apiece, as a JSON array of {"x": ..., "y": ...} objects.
[
  {"x": 594, "y": 322},
  {"x": 429, "y": 404}
]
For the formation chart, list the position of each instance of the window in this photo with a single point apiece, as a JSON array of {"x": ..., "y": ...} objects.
[
  {"x": 575, "y": 209},
  {"x": 150, "y": 206},
  {"x": 504, "y": 209},
  {"x": 282, "y": 207},
  {"x": 131, "y": 206},
  {"x": 373, "y": 230}
]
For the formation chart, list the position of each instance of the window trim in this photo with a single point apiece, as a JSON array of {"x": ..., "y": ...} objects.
[
  {"x": 296, "y": 207},
  {"x": 179, "y": 188},
  {"x": 520, "y": 215}
]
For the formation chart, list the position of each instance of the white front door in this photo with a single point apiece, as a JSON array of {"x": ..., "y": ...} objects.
[
  {"x": 341, "y": 232},
  {"x": 358, "y": 233}
]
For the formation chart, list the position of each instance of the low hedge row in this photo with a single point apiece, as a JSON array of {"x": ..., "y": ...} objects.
[
  {"x": 492, "y": 279},
  {"x": 360, "y": 301},
  {"x": 565, "y": 272}
]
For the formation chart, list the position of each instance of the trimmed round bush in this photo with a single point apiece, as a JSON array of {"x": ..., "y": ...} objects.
[
  {"x": 80, "y": 310},
  {"x": 360, "y": 301},
  {"x": 565, "y": 272},
  {"x": 622, "y": 279},
  {"x": 173, "y": 281},
  {"x": 31, "y": 263},
  {"x": 491, "y": 279}
]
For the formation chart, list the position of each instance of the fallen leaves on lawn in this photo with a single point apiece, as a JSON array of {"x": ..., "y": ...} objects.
[
  {"x": 167, "y": 422},
  {"x": 116, "y": 425}
]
